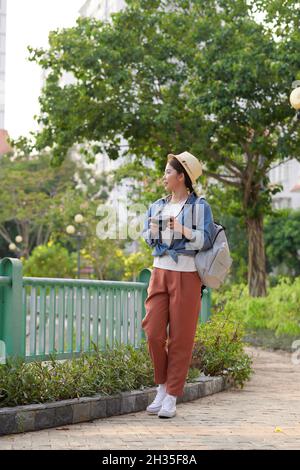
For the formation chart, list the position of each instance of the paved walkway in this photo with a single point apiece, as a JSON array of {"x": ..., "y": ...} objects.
[{"x": 233, "y": 419}]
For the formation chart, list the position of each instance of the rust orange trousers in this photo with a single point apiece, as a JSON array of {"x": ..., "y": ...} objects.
[{"x": 173, "y": 303}]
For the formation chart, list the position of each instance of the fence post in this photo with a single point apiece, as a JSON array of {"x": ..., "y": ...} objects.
[
  {"x": 144, "y": 276},
  {"x": 12, "y": 318},
  {"x": 205, "y": 311}
]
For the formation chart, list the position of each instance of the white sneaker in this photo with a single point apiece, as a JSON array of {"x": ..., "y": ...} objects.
[
  {"x": 168, "y": 408},
  {"x": 155, "y": 406}
]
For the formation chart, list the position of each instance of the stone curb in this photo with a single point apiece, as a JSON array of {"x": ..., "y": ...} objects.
[{"x": 26, "y": 418}]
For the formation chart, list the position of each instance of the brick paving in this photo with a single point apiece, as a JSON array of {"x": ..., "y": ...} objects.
[{"x": 232, "y": 419}]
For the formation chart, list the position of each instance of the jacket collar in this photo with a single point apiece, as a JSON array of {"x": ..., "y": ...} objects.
[{"x": 190, "y": 198}]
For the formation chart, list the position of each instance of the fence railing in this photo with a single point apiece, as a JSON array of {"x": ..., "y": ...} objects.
[{"x": 40, "y": 317}]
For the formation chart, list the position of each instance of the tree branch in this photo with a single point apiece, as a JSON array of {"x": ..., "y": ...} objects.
[
  {"x": 221, "y": 178},
  {"x": 4, "y": 233},
  {"x": 229, "y": 163},
  {"x": 238, "y": 173},
  {"x": 46, "y": 237},
  {"x": 284, "y": 161},
  {"x": 39, "y": 235}
]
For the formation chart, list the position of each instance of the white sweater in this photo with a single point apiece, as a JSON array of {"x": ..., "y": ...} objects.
[{"x": 185, "y": 263}]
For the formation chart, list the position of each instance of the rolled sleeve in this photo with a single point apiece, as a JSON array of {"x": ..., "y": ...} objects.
[{"x": 146, "y": 234}]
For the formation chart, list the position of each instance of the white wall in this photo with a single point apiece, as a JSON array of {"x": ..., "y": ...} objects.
[
  {"x": 287, "y": 174},
  {"x": 101, "y": 9},
  {"x": 2, "y": 60}
]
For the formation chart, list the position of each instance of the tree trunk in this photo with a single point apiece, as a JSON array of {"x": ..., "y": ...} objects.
[
  {"x": 256, "y": 258},
  {"x": 24, "y": 232}
]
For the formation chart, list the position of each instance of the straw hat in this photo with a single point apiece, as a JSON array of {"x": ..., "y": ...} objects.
[{"x": 190, "y": 163}]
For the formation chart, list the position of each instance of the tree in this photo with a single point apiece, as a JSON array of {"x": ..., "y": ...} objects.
[
  {"x": 50, "y": 261},
  {"x": 137, "y": 261},
  {"x": 282, "y": 235},
  {"x": 167, "y": 76},
  {"x": 38, "y": 202},
  {"x": 30, "y": 193},
  {"x": 281, "y": 17}
]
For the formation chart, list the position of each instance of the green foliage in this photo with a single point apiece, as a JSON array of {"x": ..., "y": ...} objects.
[
  {"x": 282, "y": 238},
  {"x": 106, "y": 257},
  {"x": 117, "y": 369},
  {"x": 114, "y": 370},
  {"x": 51, "y": 260},
  {"x": 53, "y": 205},
  {"x": 279, "y": 311},
  {"x": 281, "y": 235},
  {"x": 170, "y": 74},
  {"x": 143, "y": 182},
  {"x": 30, "y": 195},
  {"x": 38, "y": 202},
  {"x": 219, "y": 349},
  {"x": 166, "y": 73},
  {"x": 281, "y": 17},
  {"x": 135, "y": 262}
]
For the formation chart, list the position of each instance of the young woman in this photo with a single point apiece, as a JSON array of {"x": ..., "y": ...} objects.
[{"x": 176, "y": 226}]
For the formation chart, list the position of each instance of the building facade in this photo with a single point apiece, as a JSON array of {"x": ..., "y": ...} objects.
[
  {"x": 287, "y": 174},
  {"x": 101, "y": 9},
  {"x": 2, "y": 59}
]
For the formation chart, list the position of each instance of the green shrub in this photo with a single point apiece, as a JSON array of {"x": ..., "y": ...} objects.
[
  {"x": 219, "y": 349},
  {"x": 107, "y": 372},
  {"x": 51, "y": 260},
  {"x": 279, "y": 311}
]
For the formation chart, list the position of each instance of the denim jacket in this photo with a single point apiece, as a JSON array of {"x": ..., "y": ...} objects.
[{"x": 196, "y": 214}]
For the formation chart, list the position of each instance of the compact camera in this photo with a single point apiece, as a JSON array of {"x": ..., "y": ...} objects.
[{"x": 162, "y": 221}]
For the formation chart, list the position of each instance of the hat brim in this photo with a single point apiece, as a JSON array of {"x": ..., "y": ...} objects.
[{"x": 171, "y": 155}]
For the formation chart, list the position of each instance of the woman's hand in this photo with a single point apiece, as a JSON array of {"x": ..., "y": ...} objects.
[
  {"x": 154, "y": 228},
  {"x": 174, "y": 224}
]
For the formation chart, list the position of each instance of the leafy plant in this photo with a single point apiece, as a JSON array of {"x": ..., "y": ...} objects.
[
  {"x": 114, "y": 370},
  {"x": 51, "y": 260},
  {"x": 107, "y": 372},
  {"x": 219, "y": 349},
  {"x": 278, "y": 312},
  {"x": 164, "y": 73}
]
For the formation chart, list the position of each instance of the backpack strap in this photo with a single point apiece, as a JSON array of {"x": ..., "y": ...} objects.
[
  {"x": 193, "y": 212},
  {"x": 220, "y": 228},
  {"x": 219, "y": 231}
]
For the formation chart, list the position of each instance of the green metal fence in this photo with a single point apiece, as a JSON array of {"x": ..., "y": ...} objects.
[{"x": 42, "y": 316}]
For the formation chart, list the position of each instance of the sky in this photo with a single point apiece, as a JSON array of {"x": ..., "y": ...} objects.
[{"x": 29, "y": 23}]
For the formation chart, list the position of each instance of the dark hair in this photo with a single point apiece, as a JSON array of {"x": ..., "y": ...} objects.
[{"x": 180, "y": 169}]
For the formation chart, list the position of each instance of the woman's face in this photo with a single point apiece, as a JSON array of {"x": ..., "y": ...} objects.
[{"x": 172, "y": 179}]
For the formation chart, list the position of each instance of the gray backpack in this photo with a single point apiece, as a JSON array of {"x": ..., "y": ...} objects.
[{"x": 213, "y": 264}]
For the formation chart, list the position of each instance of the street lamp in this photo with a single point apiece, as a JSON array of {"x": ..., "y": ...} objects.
[
  {"x": 295, "y": 97},
  {"x": 70, "y": 229},
  {"x": 79, "y": 235},
  {"x": 13, "y": 247},
  {"x": 295, "y": 102},
  {"x": 78, "y": 218}
]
